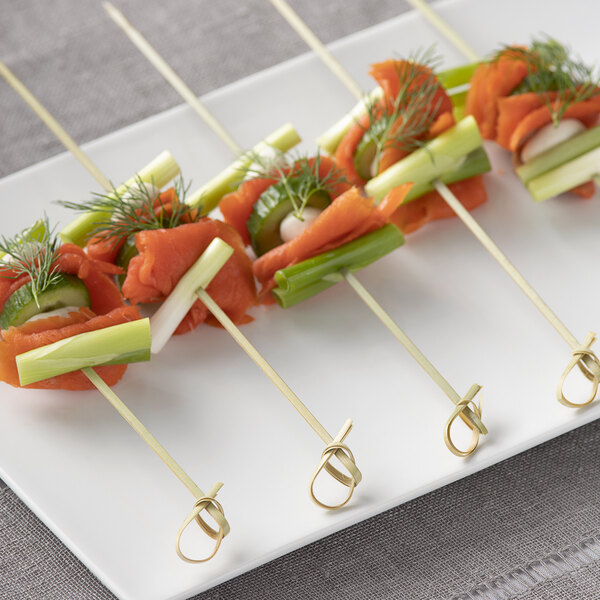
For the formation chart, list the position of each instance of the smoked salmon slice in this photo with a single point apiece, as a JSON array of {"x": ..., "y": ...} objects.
[
  {"x": 490, "y": 82},
  {"x": 166, "y": 254}
]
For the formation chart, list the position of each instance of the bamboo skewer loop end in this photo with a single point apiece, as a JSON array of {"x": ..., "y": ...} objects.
[
  {"x": 470, "y": 413},
  {"x": 589, "y": 365},
  {"x": 207, "y": 502},
  {"x": 344, "y": 454}
]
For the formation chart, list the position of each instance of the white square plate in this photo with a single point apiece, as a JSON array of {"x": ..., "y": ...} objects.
[{"x": 107, "y": 496}]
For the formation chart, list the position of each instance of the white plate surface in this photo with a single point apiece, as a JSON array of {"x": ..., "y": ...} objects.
[{"x": 106, "y": 495}]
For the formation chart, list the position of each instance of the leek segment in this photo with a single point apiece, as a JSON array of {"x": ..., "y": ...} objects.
[
  {"x": 159, "y": 172},
  {"x": 180, "y": 300},
  {"x": 116, "y": 345},
  {"x": 309, "y": 277},
  {"x": 209, "y": 195}
]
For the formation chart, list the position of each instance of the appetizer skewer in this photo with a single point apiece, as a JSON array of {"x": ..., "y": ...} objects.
[
  {"x": 165, "y": 322},
  {"x": 583, "y": 357},
  {"x": 89, "y": 339},
  {"x": 465, "y": 407}
]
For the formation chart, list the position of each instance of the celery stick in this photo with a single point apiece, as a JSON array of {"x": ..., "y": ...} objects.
[
  {"x": 210, "y": 194},
  {"x": 567, "y": 176},
  {"x": 158, "y": 172},
  {"x": 311, "y": 276},
  {"x": 457, "y": 76},
  {"x": 426, "y": 164},
  {"x": 554, "y": 157},
  {"x": 116, "y": 345},
  {"x": 180, "y": 300},
  {"x": 475, "y": 163},
  {"x": 330, "y": 140}
]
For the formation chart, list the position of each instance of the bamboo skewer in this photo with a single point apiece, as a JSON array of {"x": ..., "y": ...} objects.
[
  {"x": 584, "y": 358},
  {"x": 309, "y": 37},
  {"x": 169, "y": 74},
  {"x": 334, "y": 446},
  {"x": 445, "y": 29},
  {"x": 203, "y": 501},
  {"x": 471, "y": 416},
  {"x": 54, "y": 126}
]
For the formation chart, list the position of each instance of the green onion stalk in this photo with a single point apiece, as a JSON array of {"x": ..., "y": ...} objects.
[{"x": 159, "y": 172}]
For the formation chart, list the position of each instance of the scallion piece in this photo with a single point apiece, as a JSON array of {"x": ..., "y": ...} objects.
[
  {"x": 180, "y": 300},
  {"x": 159, "y": 172},
  {"x": 560, "y": 154},
  {"x": 475, "y": 163},
  {"x": 566, "y": 176},
  {"x": 116, "y": 345},
  {"x": 209, "y": 195},
  {"x": 436, "y": 157},
  {"x": 311, "y": 276}
]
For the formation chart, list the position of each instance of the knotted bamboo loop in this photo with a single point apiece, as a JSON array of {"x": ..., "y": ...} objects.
[
  {"x": 204, "y": 503},
  {"x": 472, "y": 420},
  {"x": 589, "y": 365},
  {"x": 341, "y": 450}
]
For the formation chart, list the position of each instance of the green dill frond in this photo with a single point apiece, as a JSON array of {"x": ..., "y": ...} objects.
[
  {"x": 298, "y": 174},
  {"x": 403, "y": 121},
  {"x": 32, "y": 252},
  {"x": 134, "y": 211},
  {"x": 552, "y": 68}
]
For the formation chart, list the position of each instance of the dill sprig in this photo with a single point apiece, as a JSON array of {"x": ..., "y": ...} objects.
[
  {"x": 298, "y": 174},
  {"x": 134, "y": 211},
  {"x": 32, "y": 256},
  {"x": 552, "y": 68},
  {"x": 403, "y": 121}
]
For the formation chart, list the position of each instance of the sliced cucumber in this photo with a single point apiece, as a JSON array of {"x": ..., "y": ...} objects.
[
  {"x": 364, "y": 157},
  {"x": 68, "y": 290},
  {"x": 273, "y": 205},
  {"x": 126, "y": 253}
]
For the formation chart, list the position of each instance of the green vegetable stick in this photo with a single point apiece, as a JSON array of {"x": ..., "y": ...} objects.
[
  {"x": 180, "y": 300},
  {"x": 209, "y": 195},
  {"x": 475, "y": 163},
  {"x": 159, "y": 172},
  {"x": 567, "y": 176},
  {"x": 311, "y": 276},
  {"x": 116, "y": 345},
  {"x": 560, "y": 154},
  {"x": 428, "y": 163}
]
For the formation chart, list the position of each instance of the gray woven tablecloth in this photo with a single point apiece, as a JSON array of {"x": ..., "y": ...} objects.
[{"x": 528, "y": 528}]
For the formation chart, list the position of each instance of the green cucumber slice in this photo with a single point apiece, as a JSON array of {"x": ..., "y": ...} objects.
[
  {"x": 364, "y": 157},
  {"x": 126, "y": 253},
  {"x": 273, "y": 205},
  {"x": 68, "y": 290}
]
